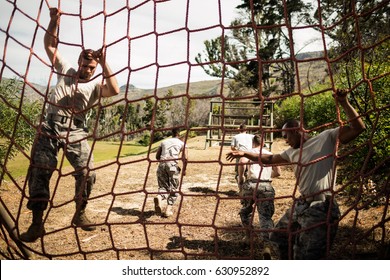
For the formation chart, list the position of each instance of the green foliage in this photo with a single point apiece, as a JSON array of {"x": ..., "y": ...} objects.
[
  {"x": 155, "y": 117},
  {"x": 180, "y": 110},
  {"x": 365, "y": 70},
  {"x": 192, "y": 134},
  {"x": 372, "y": 23},
  {"x": 217, "y": 109},
  {"x": 247, "y": 49},
  {"x": 214, "y": 54},
  {"x": 128, "y": 116},
  {"x": 288, "y": 109},
  {"x": 372, "y": 158},
  {"x": 107, "y": 120},
  {"x": 148, "y": 108},
  {"x": 102, "y": 151},
  {"x": 319, "y": 109},
  {"x": 17, "y": 118},
  {"x": 369, "y": 161},
  {"x": 371, "y": 150},
  {"x": 157, "y": 114},
  {"x": 145, "y": 139}
]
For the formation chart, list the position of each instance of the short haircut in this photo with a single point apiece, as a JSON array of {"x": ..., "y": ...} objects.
[
  {"x": 290, "y": 124},
  {"x": 243, "y": 127},
  {"x": 86, "y": 54},
  {"x": 175, "y": 132},
  {"x": 257, "y": 140}
]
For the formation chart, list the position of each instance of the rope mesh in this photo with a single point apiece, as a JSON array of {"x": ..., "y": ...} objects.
[{"x": 206, "y": 224}]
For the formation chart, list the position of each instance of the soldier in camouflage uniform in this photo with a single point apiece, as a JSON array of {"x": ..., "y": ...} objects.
[
  {"x": 311, "y": 224},
  {"x": 257, "y": 189},
  {"x": 168, "y": 173},
  {"x": 64, "y": 127}
]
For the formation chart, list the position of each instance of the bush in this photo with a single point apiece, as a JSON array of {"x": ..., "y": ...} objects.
[
  {"x": 288, "y": 109},
  {"x": 145, "y": 139},
  {"x": 371, "y": 159},
  {"x": 318, "y": 109},
  {"x": 17, "y": 118}
]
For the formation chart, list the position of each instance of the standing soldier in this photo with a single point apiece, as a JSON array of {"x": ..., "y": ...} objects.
[
  {"x": 65, "y": 127},
  {"x": 257, "y": 189},
  {"x": 168, "y": 172},
  {"x": 310, "y": 225}
]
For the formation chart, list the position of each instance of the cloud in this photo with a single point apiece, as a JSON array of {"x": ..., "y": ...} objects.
[{"x": 149, "y": 43}]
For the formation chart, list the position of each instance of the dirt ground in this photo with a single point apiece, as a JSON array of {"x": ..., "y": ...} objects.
[{"x": 205, "y": 225}]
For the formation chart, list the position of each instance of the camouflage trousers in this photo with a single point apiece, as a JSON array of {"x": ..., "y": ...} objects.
[
  {"x": 236, "y": 168},
  {"x": 168, "y": 175},
  {"x": 262, "y": 195},
  {"x": 44, "y": 159},
  {"x": 311, "y": 231}
]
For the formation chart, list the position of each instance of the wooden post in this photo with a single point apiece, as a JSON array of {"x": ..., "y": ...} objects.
[{"x": 9, "y": 225}]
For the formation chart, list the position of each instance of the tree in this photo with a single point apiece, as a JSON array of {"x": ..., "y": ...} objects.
[
  {"x": 361, "y": 50},
  {"x": 155, "y": 117},
  {"x": 131, "y": 116},
  {"x": 18, "y": 118},
  {"x": 256, "y": 42},
  {"x": 105, "y": 120},
  {"x": 148, "y": 109},
  {"x": 372, "y": 98},
  {"x": 360, "y": 22},
  {"x": 181, "y": 110}
]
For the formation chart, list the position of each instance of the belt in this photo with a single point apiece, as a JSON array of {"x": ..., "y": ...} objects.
[
  {"x": 318, "y": 197},
  {"x": 260, "y": 181},
  {"x": 65, "y": 120}
]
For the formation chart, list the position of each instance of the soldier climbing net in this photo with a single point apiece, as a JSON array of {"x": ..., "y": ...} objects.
[{"x": 205, "y": 224}]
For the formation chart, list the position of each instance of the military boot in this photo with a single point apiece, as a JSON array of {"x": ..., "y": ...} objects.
[
  {"x": 267, "y": 253},
  {"x": 36, "y": 228},
  {"x": 80, "y": 219},
  {"x": 157, "y": 204},
  {"x": 168, "y": 211}
]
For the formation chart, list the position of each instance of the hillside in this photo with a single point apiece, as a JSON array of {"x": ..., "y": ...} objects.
[
  {"x": 202, "y": 88},
  {"x": 308, "y": 71},
  {"x": 33, "y": 92},
  {"x": 205, "y": 225}
]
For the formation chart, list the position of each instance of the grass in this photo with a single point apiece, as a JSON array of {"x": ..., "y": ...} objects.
[{"x": 102, "y": 151}]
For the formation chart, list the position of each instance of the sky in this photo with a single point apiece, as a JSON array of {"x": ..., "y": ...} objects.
[{"x": 149, "y": 43}]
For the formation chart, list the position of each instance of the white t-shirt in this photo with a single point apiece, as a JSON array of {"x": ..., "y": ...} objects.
[
  {"x": 255, "y": 169},
  {"x": 242, "y": 141},
  {"x": 171, "y": 148},
  {"x": 313, "y": 175},
  {"x": 67, "y": 98}
]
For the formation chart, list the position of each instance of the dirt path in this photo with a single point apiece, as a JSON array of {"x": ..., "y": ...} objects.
[{"x": 206, "y": 224}]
